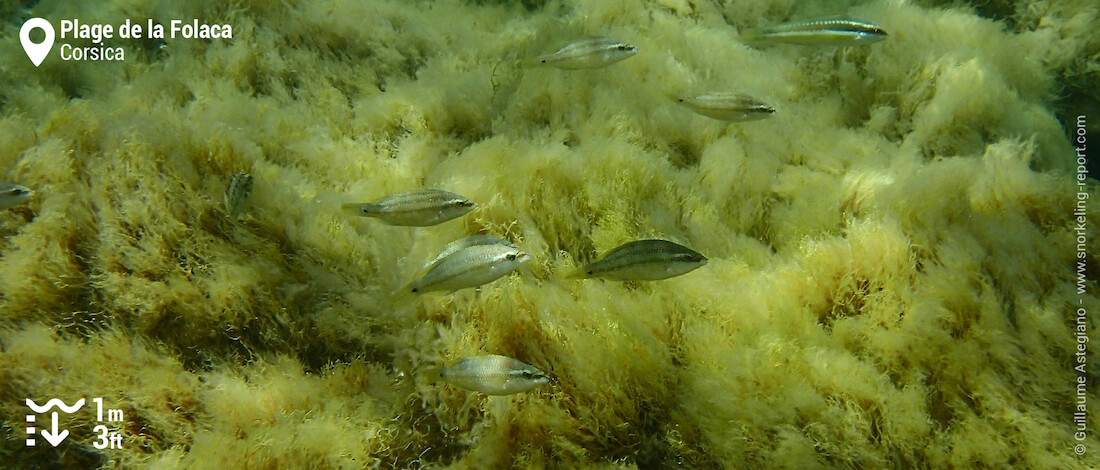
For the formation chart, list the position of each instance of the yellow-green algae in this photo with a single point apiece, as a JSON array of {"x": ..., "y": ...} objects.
[{"x": 890, "y": 282}]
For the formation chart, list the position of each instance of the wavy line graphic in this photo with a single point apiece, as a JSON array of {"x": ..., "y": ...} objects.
[{"x": 55, "y": 402}]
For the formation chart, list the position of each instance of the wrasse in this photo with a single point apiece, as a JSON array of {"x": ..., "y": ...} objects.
[
  {"x": 236, "y": 192},
  {"x": 644, "y": 260},
  {"x": 818, "y": 31},
  {"x": 589, "y": 53},
  {"x": 469, "y": 267},
  {"x": 12, "y": 194},
  {"x": 420, "y": 208},
  {"x": 463, "y": 243},
  {"x": 491, "y": 375},
  {"x": 732, "y": 107}
]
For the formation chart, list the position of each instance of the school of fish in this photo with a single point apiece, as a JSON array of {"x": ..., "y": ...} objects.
[{"x": 480, "y": 259}]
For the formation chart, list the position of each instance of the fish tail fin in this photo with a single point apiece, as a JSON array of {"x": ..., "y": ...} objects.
[
  {"x": 753, "y": 36},
  {"x": 671, "y": 95},
  {"x": 431, "y": 374},
  {"x": 364, "y": 209},
  {"x": 532, "y": 62},
  {"x": 577, "y": 274},
  {"x": 424, "y": 269},
  {"x": 403, "y": 294}
]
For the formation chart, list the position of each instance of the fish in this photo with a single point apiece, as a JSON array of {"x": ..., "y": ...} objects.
[
  {"x": 236, "y": 192},
  {"x": 731, "y": 107},
  {"x": 491, "y": 375},
  {"x": 469, "y": 267},
  {"x": 419, "y": 208},
  {"x": 461, "y": 243},
  {"x": 644, "y": 260},
  {"x": 589, "y": 53},
  {"x": 12, "y": 194},
  {"x": 830, "y": 31}
]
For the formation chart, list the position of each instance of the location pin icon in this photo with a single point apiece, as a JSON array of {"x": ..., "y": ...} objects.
[{"x": 37, "y": 52}]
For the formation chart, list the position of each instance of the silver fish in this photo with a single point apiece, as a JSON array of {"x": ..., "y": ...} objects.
[
  {"x": 236, "y": 192},
  {"x": 644, "y": 260},
  {"x": 420, "y": 208},
  {"x": 830, "y": 31},
  {"x": 589, "y": 53},
  {"x": 732, "y": 107},
  {"x": 469, "y": 267},
  {"x": 494, "y": 375},
  {"x": 461, "y": 243},
  {"x": 12, "y": 194}
]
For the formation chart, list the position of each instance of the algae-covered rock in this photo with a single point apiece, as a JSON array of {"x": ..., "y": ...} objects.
[{"x": 897, "y": 258}]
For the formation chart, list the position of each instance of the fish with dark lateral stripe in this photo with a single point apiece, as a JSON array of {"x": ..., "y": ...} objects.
[
  {"x": 469, "y": 267},
  {"x": 832, "y": 31},
  {"x": 589, "y": 53},
  {"x": 491, "y": 375},
  {"x": 644, "y": 260},
  {"x": 463, "y": 243},
  {"x": 420, "y": 208},
  {"x": 730, "y": 107}
]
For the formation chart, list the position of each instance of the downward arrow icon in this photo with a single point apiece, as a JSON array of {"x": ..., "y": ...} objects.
[{"x": 54, "y": 437}]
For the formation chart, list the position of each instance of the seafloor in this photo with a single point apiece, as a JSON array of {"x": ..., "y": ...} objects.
[{"x": 891, "y": 283}]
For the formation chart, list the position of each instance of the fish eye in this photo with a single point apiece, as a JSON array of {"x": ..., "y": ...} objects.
[
  {"x": 511, "y": 256},
  {"x": 19, "y": 192}
]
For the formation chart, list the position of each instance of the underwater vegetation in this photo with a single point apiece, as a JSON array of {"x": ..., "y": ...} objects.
[{"x": 879, "y": 274}]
